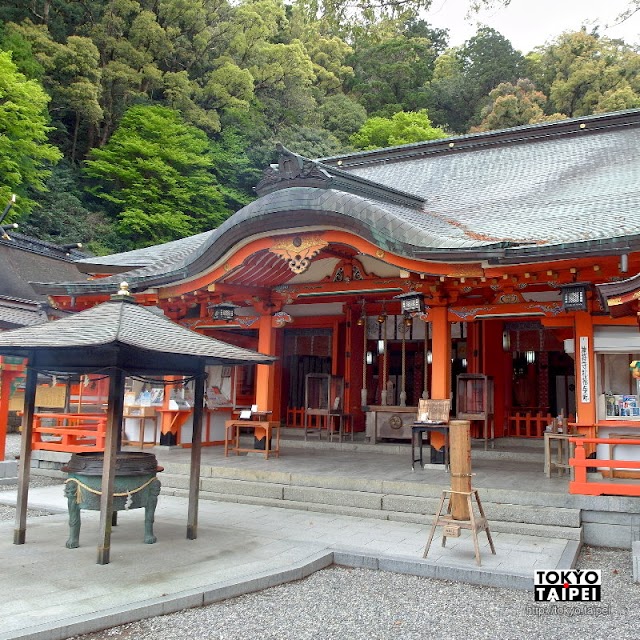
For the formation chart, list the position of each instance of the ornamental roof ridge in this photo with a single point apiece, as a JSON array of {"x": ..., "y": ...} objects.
[
  {"x": 295, "y": 170},
  {"x": 482, "y": 140}
]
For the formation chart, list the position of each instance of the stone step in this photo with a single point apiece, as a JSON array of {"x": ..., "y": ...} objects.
[
  {"x": 516, "y": 528},
  {"x": 369, "y": 498},
  {"x": 177, "y": 475}
]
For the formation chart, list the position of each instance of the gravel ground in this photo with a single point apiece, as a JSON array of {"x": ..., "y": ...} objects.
[{"x": 357, "y": 604}]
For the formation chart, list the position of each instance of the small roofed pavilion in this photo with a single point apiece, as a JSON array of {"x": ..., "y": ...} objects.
[{"x": 117, "y": 338}]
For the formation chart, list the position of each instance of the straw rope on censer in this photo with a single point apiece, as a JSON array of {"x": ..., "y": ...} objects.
[{"x": 122, "y": 494}]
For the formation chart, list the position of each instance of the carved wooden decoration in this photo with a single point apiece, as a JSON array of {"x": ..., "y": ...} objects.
[{"x": 298, "y": 251}]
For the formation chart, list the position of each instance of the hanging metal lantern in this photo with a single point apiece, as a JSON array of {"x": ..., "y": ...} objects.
[
  {"x": 574, "y": 296},
  {"x": 412, "y": 302},
  {"x": 225, "y": 311}
]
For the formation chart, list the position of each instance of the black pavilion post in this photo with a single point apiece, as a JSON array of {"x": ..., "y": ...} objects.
[
  {"x": 114, "y": 424},
  {"x": 196, "y": 450},
  {"x": 19, "y": 533}
]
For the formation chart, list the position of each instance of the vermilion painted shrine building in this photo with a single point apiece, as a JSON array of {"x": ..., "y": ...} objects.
[{"x": 487, "y": 228}]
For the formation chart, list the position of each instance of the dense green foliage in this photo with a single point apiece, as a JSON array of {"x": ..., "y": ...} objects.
[
  {"x": 166, "y": 111},
  {"x": 25, "y": 154},
  {"x": 402, "y": 128},
  {"x": 155, "y": 173}
]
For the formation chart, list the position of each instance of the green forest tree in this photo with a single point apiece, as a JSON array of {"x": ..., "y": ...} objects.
[
  {"x": 156, "y": 174},
  {"x": 26, "y": 157},
  {"x": 402, "y": 128},
  {"x": 463, "y": 79},
  {"x": 584, "y": 73},
  {"x": 249, "y": 73},
  {"x": 513, "y": 105}
]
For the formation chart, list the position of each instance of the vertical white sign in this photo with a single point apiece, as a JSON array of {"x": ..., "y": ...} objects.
[{"x": 585, "y": 382}]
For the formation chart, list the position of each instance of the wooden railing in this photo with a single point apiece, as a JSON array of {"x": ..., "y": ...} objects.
[
  {"x": 295, "y": 417},
  {"x": 69, "y": 432},
  {"x": 528, "y": 422},
  {"x": 580, "y": 462}
]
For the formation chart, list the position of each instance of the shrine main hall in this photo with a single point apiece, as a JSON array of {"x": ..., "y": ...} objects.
[{"x": 492, "y": 269}]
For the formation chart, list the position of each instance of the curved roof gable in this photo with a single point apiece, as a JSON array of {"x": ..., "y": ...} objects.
[{"x": 520, "y": 195}]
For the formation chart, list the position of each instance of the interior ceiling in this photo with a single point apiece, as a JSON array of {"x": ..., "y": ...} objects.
[
  {"x": 266, "y": 269},
  {"x": 260, "y": 269}
]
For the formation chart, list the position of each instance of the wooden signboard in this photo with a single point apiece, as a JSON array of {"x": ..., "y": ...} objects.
[{"x": 46, "y": 396}]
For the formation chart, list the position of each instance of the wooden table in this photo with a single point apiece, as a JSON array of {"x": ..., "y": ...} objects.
[
  {"x": 417, "y": 429},
  {"x": 232, "y": 436},
  {"x": 563, "y": 452}
]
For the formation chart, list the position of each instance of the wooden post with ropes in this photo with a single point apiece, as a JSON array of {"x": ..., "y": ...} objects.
[{"x": 460, "y": 511}]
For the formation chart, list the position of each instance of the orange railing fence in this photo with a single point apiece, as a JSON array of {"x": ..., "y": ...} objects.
[
  {"x": 614, "y": 487},
  {"x": 70, "y": 432}
]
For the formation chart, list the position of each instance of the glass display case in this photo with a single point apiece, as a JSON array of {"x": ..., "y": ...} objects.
[{"x": 474, "y": 401}]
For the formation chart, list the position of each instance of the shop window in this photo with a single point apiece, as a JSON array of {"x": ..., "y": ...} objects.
[{"x": 619, "y": 390}]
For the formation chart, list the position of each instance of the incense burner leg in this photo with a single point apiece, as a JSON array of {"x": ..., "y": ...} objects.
[
  {"x": 70, "y": 491},
  {"x": 153, "y": 491}
]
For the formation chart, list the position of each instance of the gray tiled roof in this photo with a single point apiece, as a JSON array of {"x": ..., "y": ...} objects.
[
  {"x": 23, "y": 260},
  {"x": 540, "y": 191},
  {"x": 178, "y": 251},
  {"x": 580, "y": 187},
  {"x": 128, "y": 324},
  {"x": 20, "y": 315}
]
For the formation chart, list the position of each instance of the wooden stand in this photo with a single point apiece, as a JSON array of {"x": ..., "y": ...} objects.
[
  {"x": 452, "y": 526},
  {"x": 142, "y": 415},
  {"x": 232, "y": 437},
  {"x": 564, "y": 451}
]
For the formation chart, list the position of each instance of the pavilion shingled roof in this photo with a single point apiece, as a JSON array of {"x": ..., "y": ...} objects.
[{"x": 125, "y": 323}]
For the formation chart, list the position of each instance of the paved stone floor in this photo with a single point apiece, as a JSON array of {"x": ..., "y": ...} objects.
[{"x": 58, "y": 592}]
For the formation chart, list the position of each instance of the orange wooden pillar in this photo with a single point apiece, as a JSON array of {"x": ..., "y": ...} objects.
[
  {"x": 354, "y": 368},
  {"x": 171, "y": 420},
  {"x": 6, "y": 378},
  {"x": 441, "y": 363},
  {"x": 265, "y": 374},
  {"x": 498, "y": 364},
  {"x": 278, "y": 408},
  {"x": 473, "y": 347},
  {"x": 585, "y": 373},
  {"x": 441, "y": 353}
]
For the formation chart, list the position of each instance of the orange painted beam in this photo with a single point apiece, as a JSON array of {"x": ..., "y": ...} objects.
[
  {"x": 628, "y": 321},
  {"x": 217, "y": 272}
]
